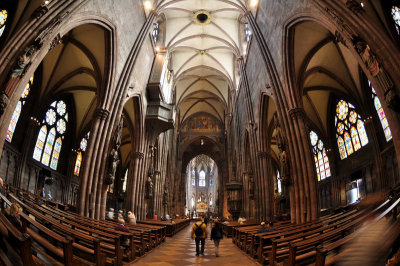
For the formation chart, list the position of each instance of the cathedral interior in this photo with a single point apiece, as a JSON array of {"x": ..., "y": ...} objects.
[{"x": 284, "y": 111}]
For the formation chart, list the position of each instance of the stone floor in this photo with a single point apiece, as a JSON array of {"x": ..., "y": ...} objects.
[{"x": 180, "y": 250}]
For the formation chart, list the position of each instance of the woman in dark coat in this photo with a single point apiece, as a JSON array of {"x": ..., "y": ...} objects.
[{"x": 216, "y": 235}]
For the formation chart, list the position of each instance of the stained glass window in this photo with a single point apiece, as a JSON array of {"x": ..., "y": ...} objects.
[
  {"x": 78, "y": 162},
  {"x": 350, "y": 129},
  {"x": 17, "y": 111},
  {"x": 3, "y": 19},
  {"x": 396, "y": 17},
  {"x": 155, "y": 32},
  {"x": 278, "y": 181},
  {"x": 381, "y": 114},
  {"x": 56, "y": 153},
  {"x": 247, "y": 32},
  {"x": 48, "y": 146},
  {"x": 202, "y": 179},
  {"x": 342, "y": 148},
  {"x": 37, "y": 154},
  {"x": 81, "y": 151},
  {"x": 49, "y": 142},
  {"x": 320, "y": 158}
]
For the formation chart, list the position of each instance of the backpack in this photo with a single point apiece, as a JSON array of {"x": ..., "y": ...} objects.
[{"x": 199, "y": 231}]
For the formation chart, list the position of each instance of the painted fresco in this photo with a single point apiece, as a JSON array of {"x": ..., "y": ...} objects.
[{"x": 201, "y": 124}]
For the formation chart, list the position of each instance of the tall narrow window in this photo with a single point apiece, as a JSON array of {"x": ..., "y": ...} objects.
[
  {"x": 125, "y": 181},
  {"x": 278, "y": 181},
  {"x": 81, "y": 151},
  {"x": 18, "y": 109},
  {"x": 154, "y": 33},
  {"x": 3, "y": 19},
  {"x": 320, "y": 157},
  {"x": 202, "y": 179},
  {"x": 49, "y": 141},
  {"x": 381, "y": 114},
  {"x": 396, "y": 17},
  {"x": 247, "y": 32},
  {"x": 350, "y": 130}
]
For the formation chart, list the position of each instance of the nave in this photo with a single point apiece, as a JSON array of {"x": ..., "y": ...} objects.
[{"x": 180, "y": 250}]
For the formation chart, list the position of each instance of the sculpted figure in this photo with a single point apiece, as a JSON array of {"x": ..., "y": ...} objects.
[
  {"x": 112, "y": 167},
  {"x": 383, "y": 80}
]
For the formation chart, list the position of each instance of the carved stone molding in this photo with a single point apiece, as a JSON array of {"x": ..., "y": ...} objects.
[
  {"x": 138, "y": 155},
  {"x": 102, "y": 113},
  {"x": 40, "y": 11},
  {"x": 297, "y": 113},
  {"x": 56, "y": 41},
  {"x": 4, "y": 100},
  {"x": 355, "y": 7},
  {"x": 54, "y": 23},
  {"x": 343, "y": 30}
]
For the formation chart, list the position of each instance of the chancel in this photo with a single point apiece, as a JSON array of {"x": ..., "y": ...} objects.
[{"x": 129, "y": 127}]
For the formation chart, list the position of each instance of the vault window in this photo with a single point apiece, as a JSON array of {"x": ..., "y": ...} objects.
[
  {"x": 320, "y": 157},
  {"x": 381, "y": 114},
  {"x": 18, "y": 109},
  {"x": 202, "y": 179},
  {"x": 79, "y": 156},
  {"x": 3, "y": 19},
  {"x": 49, "y": 141},
  {"x": 350, "y": 130}
]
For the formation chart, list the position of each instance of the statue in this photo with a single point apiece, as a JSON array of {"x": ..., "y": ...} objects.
[
  {"x": 284, "y": 169},
  {"x": 16, "y": 73},
  {"x": 112, "y": 167},
  {"x": 376, "y": 70},
  {"x": 165, "y": 196},
  {"x": 23, "y": 62},
  {"x": 149, "y": 187}
]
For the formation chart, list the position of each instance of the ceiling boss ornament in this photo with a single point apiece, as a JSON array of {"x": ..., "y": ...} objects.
[{"x": 202, "y": 17}]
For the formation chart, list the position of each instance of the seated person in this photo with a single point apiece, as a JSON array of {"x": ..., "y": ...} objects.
[
  {"x": 271, "y": 227},
  {"x": 131, "y": 218},
  {"x": 241, "y": 220},
  {"x": 13, "y": 214},
  {"x": 263, "y": 229},
  {"x": 110, "y": 213},
  {"x": 121, "y": 227}
]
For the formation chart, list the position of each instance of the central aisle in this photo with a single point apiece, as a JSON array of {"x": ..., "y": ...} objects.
[{"x": 181, "y": 250}]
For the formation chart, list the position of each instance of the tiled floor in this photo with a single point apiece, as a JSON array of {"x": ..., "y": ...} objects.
[{"x": 180, "y": 250}]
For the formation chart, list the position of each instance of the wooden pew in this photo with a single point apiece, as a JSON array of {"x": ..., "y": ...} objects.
[
  {"x": 302, "y": 248},
  {"x": 18, "y": 245},
  {"x": 83, "y": 244}
]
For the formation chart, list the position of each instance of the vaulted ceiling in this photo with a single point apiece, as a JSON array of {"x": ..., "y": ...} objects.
[
  {"x": 204, "y": 39},
  {"x": 76, "y": 67},
  {"x": 324, "y": 67}
]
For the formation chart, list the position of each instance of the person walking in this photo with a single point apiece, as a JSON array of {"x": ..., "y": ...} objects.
[
  {"x": 217, "y": 235},
  {"x": 199, "y": 234}
]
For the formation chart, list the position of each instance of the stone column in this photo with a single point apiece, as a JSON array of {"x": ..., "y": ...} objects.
[{"x": 86, "y": 177}]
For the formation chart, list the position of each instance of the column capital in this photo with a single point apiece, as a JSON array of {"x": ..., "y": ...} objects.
[
  {"x": 102, "y": 113},
  {"x": 296, "y": 113}
]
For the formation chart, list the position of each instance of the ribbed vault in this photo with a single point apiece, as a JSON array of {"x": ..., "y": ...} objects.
[{"x": 204, "y": 40}]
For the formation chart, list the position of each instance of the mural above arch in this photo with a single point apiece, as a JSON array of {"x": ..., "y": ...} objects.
[{"x": 201, "y": 123}]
